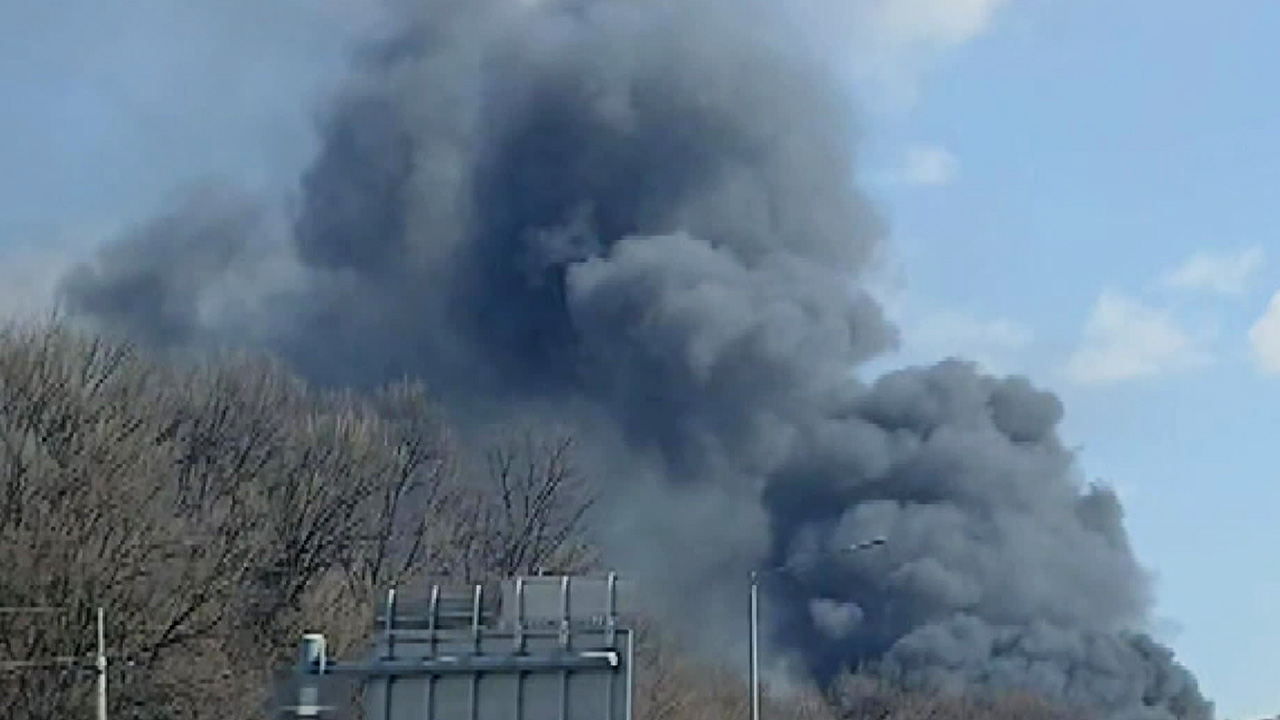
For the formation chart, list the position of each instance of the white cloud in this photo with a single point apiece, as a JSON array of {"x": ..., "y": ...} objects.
[
  {"x": 935, "y": 23},
  {"x": 886, "y": 45},
  {"x": 896, "y": 40},
  {"x": 928, "y": 165},
  {"x": 992, "y": 343},
  {"x": 930, "y": 334},
  {"x": 1127, "y": 340},
  {"x": 1264, "y": 338},
  {"x": 1222, "y": 273}
]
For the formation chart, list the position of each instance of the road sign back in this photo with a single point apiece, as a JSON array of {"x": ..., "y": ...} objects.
[{"x": 545, "y": 648}]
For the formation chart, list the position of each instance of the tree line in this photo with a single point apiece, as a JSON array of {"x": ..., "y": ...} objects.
[{"x": 219, "y": 508}]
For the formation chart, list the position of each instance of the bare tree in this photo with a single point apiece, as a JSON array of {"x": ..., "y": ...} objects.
[
  {"x": 202, "y": 505},
  {"x": 526, "y": 512},
  {"x": 867, "y": 696},
  {"x": 413, "y": 499}
]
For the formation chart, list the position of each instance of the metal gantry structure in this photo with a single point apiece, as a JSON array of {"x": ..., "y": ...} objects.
[{"x": 533, "y": 648}]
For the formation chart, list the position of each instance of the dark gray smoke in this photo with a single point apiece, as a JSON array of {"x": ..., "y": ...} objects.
[{"x": 642, "y": 216}]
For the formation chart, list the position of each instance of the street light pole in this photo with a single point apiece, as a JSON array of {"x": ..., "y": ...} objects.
[
  {"x": 755, "y": 645},
  {"x": 755, "y": 618}
]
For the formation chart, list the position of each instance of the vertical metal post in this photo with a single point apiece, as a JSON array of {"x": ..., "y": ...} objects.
[
  {"x": 519, "y": 628},
  {"x": 101, "y": 664},
  {"x": 629, "y": 697},
  {"x": 565, "y": 636},
  {"x": 476, "y": 633},
  {"x": 518, "y": 714},
  {"x": 564, "y": 612},
  {"x": 611, "y": 620},
  {"x": 433, "y": 618},
  {"x": 476, "y": 617},
  {"x": 312, "y": 660},
  {"x": 755, "y": 646},
  {"x": 433, "y": 615},
  {"x": 611, "y": 635},
  {"x": 389, "y": 624},
  {"x": 432, "y": 623},
  {"x": 313, "y": 654}
]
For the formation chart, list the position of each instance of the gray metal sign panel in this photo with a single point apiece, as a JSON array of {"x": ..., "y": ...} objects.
[
  {"x": 543, "y": 648},
  {"x": 538, "y": 601},
  {"x": 588, "y": 680}
]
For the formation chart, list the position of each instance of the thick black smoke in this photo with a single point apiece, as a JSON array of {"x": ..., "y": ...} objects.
[{"x": 641, "y": 216}]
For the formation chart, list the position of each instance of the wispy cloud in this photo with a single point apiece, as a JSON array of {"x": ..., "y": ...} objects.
[
  {"x": 994, "y": 343},
  {"x": 1221, "y": 273},
  {"x": 902, "y": 37},
  {"x": 930, "y": 333},
  {"x": 1264, "y": 338},
  {"x": 891, "y": 43},
  {"x": 1124, "y": 339},
  {"x": 928, "y": 165}
]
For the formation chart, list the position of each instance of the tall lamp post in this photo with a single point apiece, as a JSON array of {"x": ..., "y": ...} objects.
[{"x": 755, "y": 616}]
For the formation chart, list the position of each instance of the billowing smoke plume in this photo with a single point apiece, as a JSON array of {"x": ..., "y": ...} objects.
[{"x": 641, "y": 216}]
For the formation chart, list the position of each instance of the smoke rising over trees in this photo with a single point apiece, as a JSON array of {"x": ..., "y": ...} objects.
[{"x": 640, "y": 219}]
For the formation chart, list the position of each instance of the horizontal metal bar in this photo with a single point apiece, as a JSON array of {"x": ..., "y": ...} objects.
[
  {"x": 46, "y": 662},
  {"x": 307, "y": 710},
  {"x": 419, "y": 622},
  {"x": 67, "y": 661},
  {"x": 410, "y": 635},
  {"x": 465, "y": 664}
]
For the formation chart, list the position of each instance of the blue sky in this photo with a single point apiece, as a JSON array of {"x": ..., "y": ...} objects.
[{"x": 1078, "y": 190}]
